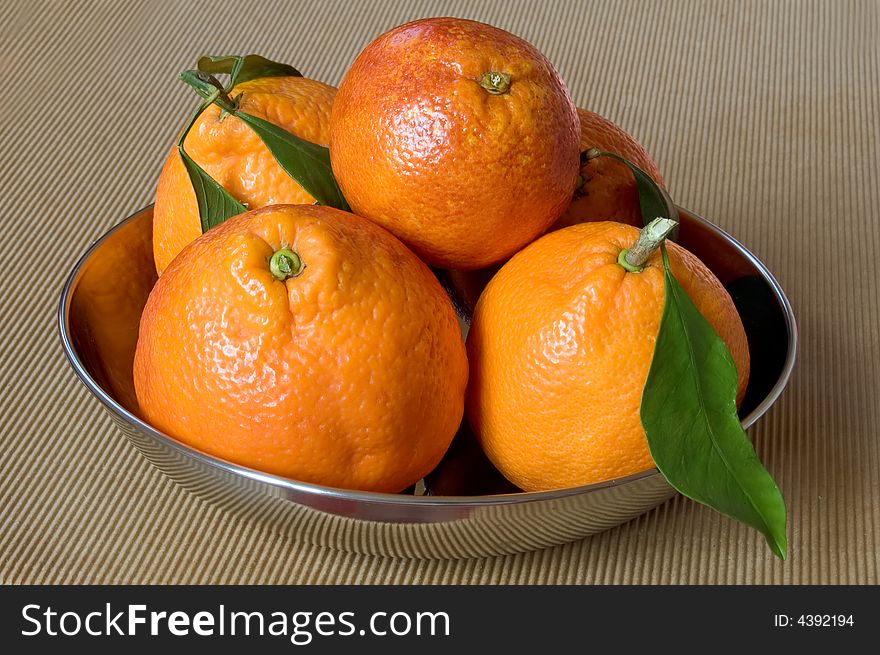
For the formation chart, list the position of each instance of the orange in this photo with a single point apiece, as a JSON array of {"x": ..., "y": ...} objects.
[
  {"x": 458, "y": 137},
  {"x": 234, "y": 156},
  {"x": 609, "y": 189},
  {"x": 560, "y": 346},
  {"x": 351, "y": 373}
]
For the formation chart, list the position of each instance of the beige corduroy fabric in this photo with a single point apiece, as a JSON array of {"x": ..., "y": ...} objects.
[{"x": 764, "y": 117}]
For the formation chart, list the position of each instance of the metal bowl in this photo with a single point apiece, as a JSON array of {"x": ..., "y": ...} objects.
[{"x": 98, "y": 317}]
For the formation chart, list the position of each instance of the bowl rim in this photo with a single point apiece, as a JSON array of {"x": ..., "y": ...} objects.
[{"x": 287, "y": 484}]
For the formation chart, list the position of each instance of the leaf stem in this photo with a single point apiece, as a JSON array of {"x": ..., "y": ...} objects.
[
  {"x": 654, "y": 201},
  {"x": 651, "y": 237},
  {"x": 210, "y": 89}
]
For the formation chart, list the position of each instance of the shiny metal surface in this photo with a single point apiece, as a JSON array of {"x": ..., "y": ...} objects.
[{"x": 98, "y": 314}]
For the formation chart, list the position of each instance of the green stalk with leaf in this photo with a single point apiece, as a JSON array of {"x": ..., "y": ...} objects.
[
  {"x": 688, "y": 407},
  {"x": 307, "y": 163}
]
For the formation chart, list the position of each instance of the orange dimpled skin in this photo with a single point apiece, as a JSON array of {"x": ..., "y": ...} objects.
[
  {"x": 465, "y": 176},
  {"x": 232, "y": 153},
  {"x": 560, "y": 346},
  {"x": 351, "y": 374},
  {"x": 609, "y": 190}
]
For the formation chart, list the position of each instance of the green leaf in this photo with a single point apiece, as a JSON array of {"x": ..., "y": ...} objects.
[
  {"x": 654, "y": 202},
  {"x": 216, "y": 204},
  {"x": 688, "y": 411},
  {"x": 306, "y": 162},
  {"x": 241, "y": 69}
]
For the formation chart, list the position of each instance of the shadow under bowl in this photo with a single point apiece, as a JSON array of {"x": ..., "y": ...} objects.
[{"x": 99, "y": 311}]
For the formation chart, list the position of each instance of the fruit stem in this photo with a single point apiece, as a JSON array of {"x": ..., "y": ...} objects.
[
  {"x": 495, "y": 83},
  {"x": 650, "y": 238},
  {"x": 592, "y": 153},
  {"x": 285, "y": 263},
  {"x": 210, "y": 89}
]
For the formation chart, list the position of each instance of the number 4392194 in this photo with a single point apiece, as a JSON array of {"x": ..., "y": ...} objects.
[{"x": 814, "y": 620}]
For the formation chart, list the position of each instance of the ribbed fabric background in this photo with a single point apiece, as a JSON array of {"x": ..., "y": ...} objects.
[{"x": 763, "y": 116}]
